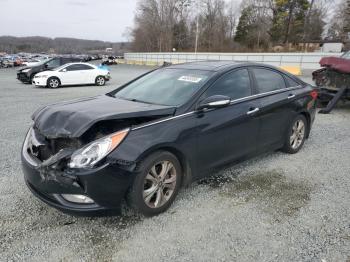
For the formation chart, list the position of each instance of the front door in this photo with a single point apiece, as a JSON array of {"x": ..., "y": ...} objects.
[
  {"x": 228, "y": 133},
  {"x": 73, "y": 75}
]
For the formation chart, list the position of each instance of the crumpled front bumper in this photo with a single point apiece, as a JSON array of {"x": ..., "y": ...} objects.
[{"x": 107, "y": 185}]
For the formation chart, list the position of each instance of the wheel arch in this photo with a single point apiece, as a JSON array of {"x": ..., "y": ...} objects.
[
  {"x": 51, "y": 77},
  {"x": 184, "y": 162},
  {"x": 308, "y": 119}
]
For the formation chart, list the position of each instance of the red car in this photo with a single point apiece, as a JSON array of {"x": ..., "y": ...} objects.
[{"x": 333, "y": 80}]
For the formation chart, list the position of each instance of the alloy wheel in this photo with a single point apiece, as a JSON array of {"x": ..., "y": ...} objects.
[
  {"x": 159, "y": 184},
  {"x": 298, "y": 133},
  {"x": 100, "y": 81},
  {"x": 54, "y": 83}
]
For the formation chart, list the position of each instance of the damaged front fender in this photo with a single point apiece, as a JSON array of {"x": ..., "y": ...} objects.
[{"x": 73, "y": 118}]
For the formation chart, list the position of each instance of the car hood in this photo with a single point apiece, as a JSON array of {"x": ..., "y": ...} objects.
[
  {"x": 336, "y": 63},
  {"x": 73, "y": 118},
  {"x": 24, "y": 68},
  {"x": 50, "y": 72},
  {"x": 31, "y": 67}
]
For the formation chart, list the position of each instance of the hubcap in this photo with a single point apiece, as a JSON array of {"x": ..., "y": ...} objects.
[
  {"x": 298, "y": 132},
  {"x": 100, "y": 81},
  {"x": 159, "y": 184},
  {"x": 54, "y": 83}
]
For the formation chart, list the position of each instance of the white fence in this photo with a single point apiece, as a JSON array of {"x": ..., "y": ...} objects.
[{"x": 302, "y": 60}]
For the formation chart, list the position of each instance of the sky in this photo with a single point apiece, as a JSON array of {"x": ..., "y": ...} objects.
[{"x": 105, "y": 20}]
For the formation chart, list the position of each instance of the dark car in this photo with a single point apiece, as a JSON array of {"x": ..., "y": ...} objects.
[
  {"x": 146, "y": 139},
  {"x": 27, "y": 74}
]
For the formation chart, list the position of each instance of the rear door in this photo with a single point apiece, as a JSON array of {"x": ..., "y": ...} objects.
[
  {"x": 228, "y": 133},
  {"x": 276, "y": 94}
]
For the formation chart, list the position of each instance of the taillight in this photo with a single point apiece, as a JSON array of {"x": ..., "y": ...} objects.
[{"x": 314, "y": 94}]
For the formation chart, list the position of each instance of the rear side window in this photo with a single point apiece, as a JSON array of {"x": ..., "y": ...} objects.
[
  {"x": 235, "y": 85},
  {"x": 78, "y": 67},
  {"x": 291, "y": 82},
  {"x": 268, "y": 80},
  {"x": 85, "y": 67}
]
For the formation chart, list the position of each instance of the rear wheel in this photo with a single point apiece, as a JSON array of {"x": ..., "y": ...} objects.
[
  {"x": 53, "y": 82},
  {"x": 296, "y": 135},
  {"x": 156, "y": 184},
  {"x": 100, "y": 81}
]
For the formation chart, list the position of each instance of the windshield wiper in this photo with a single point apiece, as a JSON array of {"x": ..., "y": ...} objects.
[{"x": 135, "y": 100}]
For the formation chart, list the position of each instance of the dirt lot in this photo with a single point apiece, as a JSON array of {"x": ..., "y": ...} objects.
[{"x": 276, "y": 207}]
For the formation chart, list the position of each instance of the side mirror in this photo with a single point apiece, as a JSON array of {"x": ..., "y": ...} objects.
[
  {"x": 64, "y": 70},
  {"x": 46, "y": 66},
  {"x": 214, "y": 102}
]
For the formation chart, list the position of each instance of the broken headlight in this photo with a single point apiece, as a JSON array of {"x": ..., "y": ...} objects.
[{"x": 92, "y": 153}]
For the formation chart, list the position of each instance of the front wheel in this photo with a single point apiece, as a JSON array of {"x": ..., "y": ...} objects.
[
  {"x": 156, "y": 184},
  {"x": 53, "y": 82},
  {"x": 296, "y": 135},
  {"x": 100, "y": 81}
]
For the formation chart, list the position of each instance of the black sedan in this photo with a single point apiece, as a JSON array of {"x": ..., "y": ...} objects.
[{"x": 145, "y": 140}]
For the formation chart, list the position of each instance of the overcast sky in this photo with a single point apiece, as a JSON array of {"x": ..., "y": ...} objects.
[{"x": 88, "y": 19}]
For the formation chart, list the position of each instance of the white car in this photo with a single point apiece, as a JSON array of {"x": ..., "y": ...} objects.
[{"x": 72, "y": 74}]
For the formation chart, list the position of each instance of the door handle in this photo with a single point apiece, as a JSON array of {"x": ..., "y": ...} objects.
[
  {"x": 291, "y": 96},
  {"x": 252, "y": 111}
]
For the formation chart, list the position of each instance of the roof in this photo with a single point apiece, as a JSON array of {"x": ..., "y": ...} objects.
[
  {"x": 79, "y": 63},
  {"x": 217, "y": 66},
  {"x": 206, "y": 65}
]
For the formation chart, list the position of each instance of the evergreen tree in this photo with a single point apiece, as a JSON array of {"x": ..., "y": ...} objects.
[
  {"x": 244, "y": 26},
  {"x": 288, "y": 20}
]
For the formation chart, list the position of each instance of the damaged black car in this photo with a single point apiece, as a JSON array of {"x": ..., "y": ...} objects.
[{"x": 142, "y": 142}]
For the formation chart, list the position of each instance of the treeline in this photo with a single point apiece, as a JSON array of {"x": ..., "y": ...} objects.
[
  {"x": 37, "y": 44},
  {"x": 218, "y": 25}
]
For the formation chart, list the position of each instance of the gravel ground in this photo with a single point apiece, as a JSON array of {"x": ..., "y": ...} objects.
[{"x": 275, "y": 207}]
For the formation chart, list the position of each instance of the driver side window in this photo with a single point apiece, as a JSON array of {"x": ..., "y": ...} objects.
[
  {"x": 53, "y": 63},
  {"x": 235, "y": 84}
]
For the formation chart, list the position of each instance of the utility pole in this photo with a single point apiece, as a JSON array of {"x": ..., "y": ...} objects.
[
  {"x": 196, "y": 4},
  {"x": 197, "y": 30}
]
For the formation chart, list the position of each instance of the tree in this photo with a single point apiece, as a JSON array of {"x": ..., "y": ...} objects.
[
  {"x": 245, "y": 26},
  {"x": 346, "y": 27},
  {"x": 340, "y": 25},
  {"x": 254, "y": 23},
  {"x": 214, "y": 26},
  {"x": 288, "y": 20}
]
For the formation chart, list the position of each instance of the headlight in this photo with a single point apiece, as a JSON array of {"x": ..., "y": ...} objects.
[
  {"x": 92, "y": 153},
  {"x": 41, "y": 76},
  {"x": 26, "y": 70}
]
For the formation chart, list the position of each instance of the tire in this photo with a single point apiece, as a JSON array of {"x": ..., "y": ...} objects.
[
  {"x": 291, "y": 145},
  {"x": 53, "y": 82},
  {"x": 31, "y": 78},
  {"x": 100, "y": 81},
  {"x": 150, "y": 195}
]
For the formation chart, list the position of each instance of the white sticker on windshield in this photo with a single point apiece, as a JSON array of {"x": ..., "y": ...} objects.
[{"x": 192, "y": 79}]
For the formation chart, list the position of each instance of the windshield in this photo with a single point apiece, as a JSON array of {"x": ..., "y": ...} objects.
[
  {"x": 44, "y": 61},
  {"x": 346, "y": 55},
  {"x": 165, "y": 86},
  {"x": 60, "y": 67}
]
